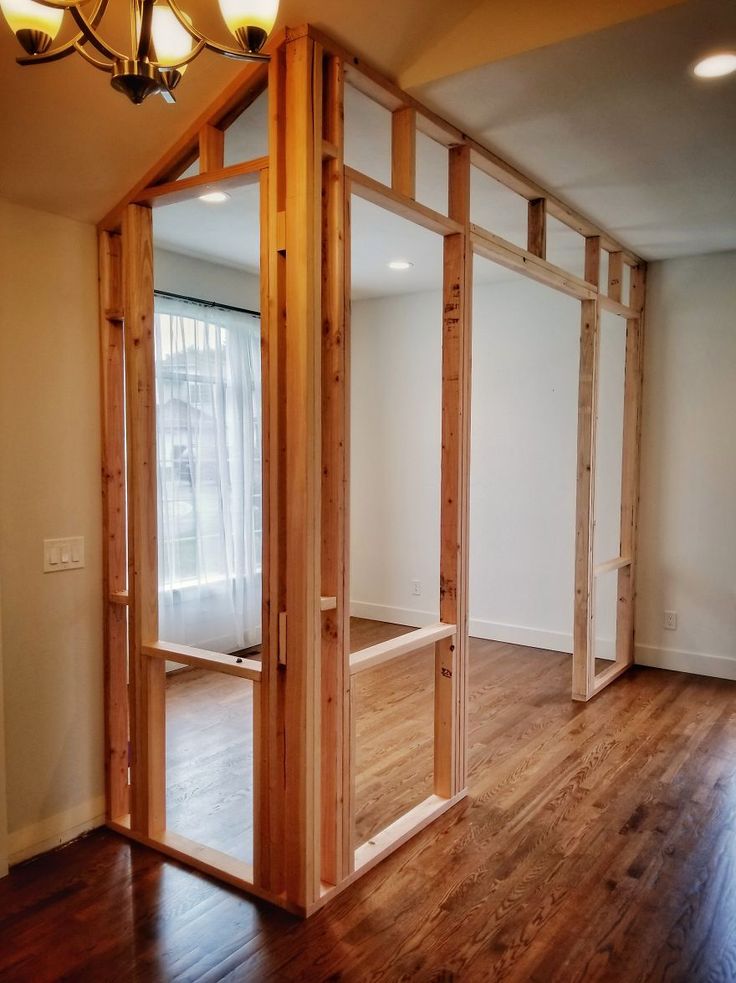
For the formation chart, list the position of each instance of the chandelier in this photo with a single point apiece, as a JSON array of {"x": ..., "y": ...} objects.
[{"x": 163, "y": 39}]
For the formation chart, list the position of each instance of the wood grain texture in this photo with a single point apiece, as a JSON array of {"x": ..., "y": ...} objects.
[
  {"x": 596, "y": 845},
  {"x": 303, "y": 370},
  {"x": 269, "y": 866},
  {"x": 335, "y": 778},
  {"x": 404, "y": 151},
  {"x": 583, "y": 671},
  {"x": 146, "y": 675},
  {"x": 537, "y": 227},
  {"x": 114, "y": 560}
]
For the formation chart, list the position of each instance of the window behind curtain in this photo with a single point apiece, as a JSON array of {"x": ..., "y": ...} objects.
[{"x": 208, "y": 431}]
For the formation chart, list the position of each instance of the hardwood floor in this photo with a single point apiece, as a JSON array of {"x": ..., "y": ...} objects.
[{"x": 599, "y": 843}]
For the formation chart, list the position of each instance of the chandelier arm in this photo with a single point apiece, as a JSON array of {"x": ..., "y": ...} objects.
[
  {"x": 144, "y": 29},
  {"x": 56, "y": 54},
  {"x": 91, "y": 35},
  {"x": 219, "y": 49},
  {"x": 102, "y": 65},
  {"x": 60, "y": 4}
]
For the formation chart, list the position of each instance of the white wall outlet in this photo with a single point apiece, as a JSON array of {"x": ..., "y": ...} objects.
[
  {"x": 63, "y": 554},
  {"x": 670, "y": 620},
  {"x": 416, "y": 588}
]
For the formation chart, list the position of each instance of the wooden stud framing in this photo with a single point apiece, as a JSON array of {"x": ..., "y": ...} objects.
[
  {"x": 303, "y": 159},
  {"x": 211, "y": 149},
  {"x": 147, "y": 677},
  {"x": 114, "y": 511},
  {"x": 336, "y": 786},
  {"x": 582, "y": 659},
  {"x": 303, "y": 735},
  {"x": 513, "y": 257},
  {"x": 615, "y": 276},
  {"x": 380, "y": 194},
  {"x": 631, "y": 455},
  {"x": 537, "y": 233},
  {"x": 221, "y": 178},
  {"x": 450, "y": 685},
  {"x": 269, "y": 860},
  {"x": 404, "y": 151}
]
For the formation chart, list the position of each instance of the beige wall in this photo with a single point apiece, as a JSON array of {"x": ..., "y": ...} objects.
[
  {"x": 687, "y": 544},
  {"x": 49, "y": 487}
]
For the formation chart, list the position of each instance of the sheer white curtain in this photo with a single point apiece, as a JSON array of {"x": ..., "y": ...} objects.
[{"x": 208, "y": 431}]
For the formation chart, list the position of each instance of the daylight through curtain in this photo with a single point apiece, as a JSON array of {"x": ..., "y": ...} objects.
[{"x": 208, "y": 431}]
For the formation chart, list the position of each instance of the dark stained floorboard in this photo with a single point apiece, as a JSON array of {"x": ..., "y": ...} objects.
[{"x": 599, "y": 843}]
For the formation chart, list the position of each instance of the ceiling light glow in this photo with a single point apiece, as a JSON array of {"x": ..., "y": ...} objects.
[
  {"x": 214, "y": 197},
  {"x": 716, "y": 66},
  {"x": 400, "y": 264}
]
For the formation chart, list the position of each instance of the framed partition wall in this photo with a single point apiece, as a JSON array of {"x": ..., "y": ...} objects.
[{"x": 302, "y": 729}]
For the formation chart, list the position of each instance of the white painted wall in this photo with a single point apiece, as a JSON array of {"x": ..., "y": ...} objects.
[
  {"x": 525, "y": 364},
  {"x": 395, "y": 457},
  {"x": 688, "y": 493},
  {"x": 523, "y": 464},
  {"x": 180, "y": 274},
  {"x": 49, "y": 487},
  {"x": 51, "y": 624}
]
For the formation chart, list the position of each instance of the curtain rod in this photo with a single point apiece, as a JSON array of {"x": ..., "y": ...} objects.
[{"x": 205, "y": 303}]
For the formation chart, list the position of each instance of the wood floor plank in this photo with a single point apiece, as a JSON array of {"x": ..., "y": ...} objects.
[{"x": 597, "y": 844}]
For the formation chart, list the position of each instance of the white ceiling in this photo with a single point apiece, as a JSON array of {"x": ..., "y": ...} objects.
[
  {"x": 611, "y": 121},
  {"x": 616, "y": 125},
  {"x": 227, "y": 233},
  {"x": 73, "y": 146}
]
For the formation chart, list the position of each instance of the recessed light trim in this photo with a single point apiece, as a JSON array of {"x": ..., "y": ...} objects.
[
  {"x": 716, "y": 65},
  {"x": 400, "y": 264},
  {"x": 214, "y": 197}
]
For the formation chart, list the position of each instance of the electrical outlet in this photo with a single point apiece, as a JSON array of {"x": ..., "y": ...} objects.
[
  {"x": 416, "y": 588},
  {"x": 670, "y": 620}
]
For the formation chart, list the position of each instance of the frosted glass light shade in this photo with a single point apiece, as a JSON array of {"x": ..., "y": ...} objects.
[
  {"x": 26, "y": 15},
  {"x": 171, "y": 41},
  {"x": 249, "y": 13}
]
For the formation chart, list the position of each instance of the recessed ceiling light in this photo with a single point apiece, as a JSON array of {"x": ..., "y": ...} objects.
[
  {"x": 715, "y": 66},
  {"x": 400, "y": 264},
  {"x": 214, "y": 197}
]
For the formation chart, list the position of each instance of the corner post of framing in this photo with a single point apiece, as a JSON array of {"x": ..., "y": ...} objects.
[
  {"x": 630, "y": 467},
  {"x": 583, "y": 662},
  {"x": 147, "y": 676},
  {"x": 336, "y": 786},
  {"x": 450, "y": 772},
  {"x": 303, "y": 163},
  {"x": 269, "y": 779},
  {"x": 114, "y": 573}
]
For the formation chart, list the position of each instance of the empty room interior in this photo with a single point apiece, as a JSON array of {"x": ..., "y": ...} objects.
[{"x": 367, "y": 481}]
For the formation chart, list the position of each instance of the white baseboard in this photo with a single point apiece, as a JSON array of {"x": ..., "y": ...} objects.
[
  {"x": 698, "y": 663},
  {"x": 514, "y": 634},
  {"x": 54, "y": 831},
  {"x": 394, "y": 616},
  {"x": 537, "y": 638}
]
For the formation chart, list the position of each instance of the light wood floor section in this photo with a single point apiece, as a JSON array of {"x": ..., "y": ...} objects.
[{"x": 598, "y": 843}]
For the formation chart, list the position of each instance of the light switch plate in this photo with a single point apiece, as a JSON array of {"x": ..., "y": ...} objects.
[{"x": 63, "y": 554}]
